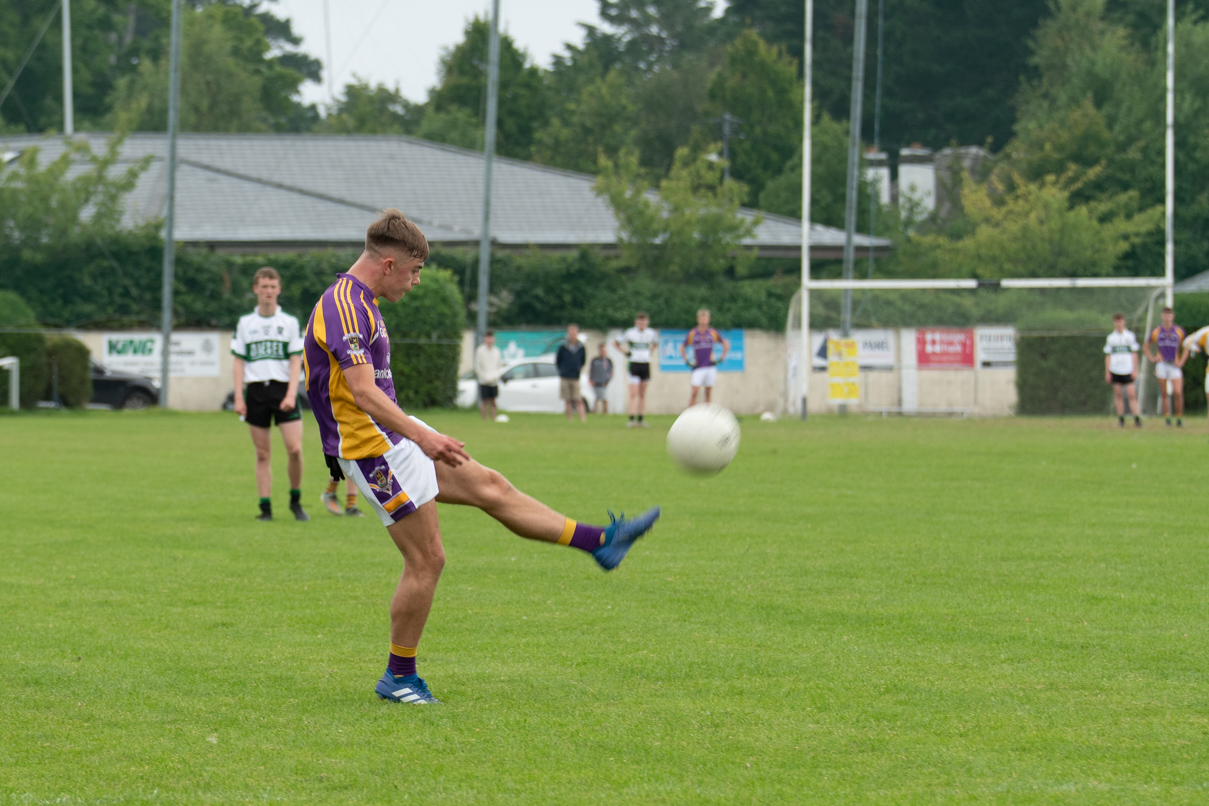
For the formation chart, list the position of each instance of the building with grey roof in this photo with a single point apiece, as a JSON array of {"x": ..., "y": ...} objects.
[{"x": 292, "y": 192}]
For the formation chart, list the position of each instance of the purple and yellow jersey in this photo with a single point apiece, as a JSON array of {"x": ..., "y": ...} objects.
[
  {"x": 1168, "y": 341},
  {"x": 346, "y": 329},
  {"x": 701, "y": 343}
]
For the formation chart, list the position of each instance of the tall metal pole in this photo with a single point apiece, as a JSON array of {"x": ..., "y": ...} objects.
[
  {"x": 69, "y": 112},
  {"x": 174, "y": 102},
  {"x": 854, "y": 155},
  {"x": 805, "y": 353},
  {"x": 1170, "y": 250},
  {"x": 726, "y": 146},
  {"x": 493, "y": 97},
  {"x": 331, "y": 68}
]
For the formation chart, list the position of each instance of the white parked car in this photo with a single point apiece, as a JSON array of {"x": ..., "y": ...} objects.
[{"x": 527, "y": 384}]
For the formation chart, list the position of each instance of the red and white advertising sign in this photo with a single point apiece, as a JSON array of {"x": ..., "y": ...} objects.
[{"x": 941, "y": 348}]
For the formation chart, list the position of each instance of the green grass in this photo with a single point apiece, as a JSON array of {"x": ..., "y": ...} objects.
[{"x": 855, "y": 611}]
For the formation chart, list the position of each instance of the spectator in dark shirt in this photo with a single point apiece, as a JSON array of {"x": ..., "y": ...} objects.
[
  {"x": 600, "y": 373},
  {"x": 570, "y": 362}
]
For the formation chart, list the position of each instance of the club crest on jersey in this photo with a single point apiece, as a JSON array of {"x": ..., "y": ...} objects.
[
  {"x": 280, "y": 330},
  {"x": 354, "y": 342},
  {"x": 381, "y": 479}
]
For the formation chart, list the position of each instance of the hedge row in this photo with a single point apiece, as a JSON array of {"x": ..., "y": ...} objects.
[{"x": 47, "y": 364}]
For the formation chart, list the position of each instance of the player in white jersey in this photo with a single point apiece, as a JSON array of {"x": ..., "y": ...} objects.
[
  {"x": 267, "y": 346},
  {"x": 1121, "y": 368},
  {"x": 640, "y": 343},
  {"x": 1197, "y": 342}
]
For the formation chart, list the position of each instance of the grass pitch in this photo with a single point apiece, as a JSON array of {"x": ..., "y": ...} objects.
[{"x": 855, "y": 611}]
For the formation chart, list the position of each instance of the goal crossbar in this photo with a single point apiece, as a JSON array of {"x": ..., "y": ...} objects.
[{"x": 1019, "y": 282}]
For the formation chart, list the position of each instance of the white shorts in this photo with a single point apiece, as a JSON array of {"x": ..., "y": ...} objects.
[
  {"x": 705, "y": 376},
  {"x": 1165, "y": 371},
  {"x": 397, "y": 482}
]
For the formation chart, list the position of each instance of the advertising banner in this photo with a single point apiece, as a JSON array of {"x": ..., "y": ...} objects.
[
  {"x": 875, "y": 348},
  {"x": 194, "y": 355},
  {"x": 670, "y": 359},
  {"x": 944, "y": 348},
  {"x": 996, "y": 346},
  {"x": 843, "y": 371},
  {"x": 516, "y": 344}
]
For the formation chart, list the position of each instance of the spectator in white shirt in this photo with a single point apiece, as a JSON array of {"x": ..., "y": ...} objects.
[{"x": 488, "y": 364}]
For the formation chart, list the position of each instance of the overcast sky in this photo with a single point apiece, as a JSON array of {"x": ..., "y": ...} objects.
[{"x": 398, "y": 42}]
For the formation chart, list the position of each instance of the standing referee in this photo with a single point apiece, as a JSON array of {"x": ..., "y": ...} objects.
[{"x": 268, "y": 363}]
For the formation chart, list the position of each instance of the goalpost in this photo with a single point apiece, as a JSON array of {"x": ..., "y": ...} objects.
[{"x": 971, "y": 309}]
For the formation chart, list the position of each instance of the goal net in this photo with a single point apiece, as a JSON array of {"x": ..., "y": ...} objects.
[{"x": 964, "y": 347}]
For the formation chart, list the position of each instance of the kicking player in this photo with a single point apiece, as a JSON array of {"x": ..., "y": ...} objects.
[
  {"x": 1168, "y": 363},
  {"x": 701, "y": 341},
  {"x": 402, "y": 466},
  {"x": 639, "y": 341},
  {"x": 1121, "y": 368},
  {"x": 1197, "y": 342},
  {"x": 267, "y": 346}
]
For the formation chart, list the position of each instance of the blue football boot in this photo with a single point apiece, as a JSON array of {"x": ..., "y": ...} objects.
[
  {"x": 411, "y": 690},
  {"x": 620, "y": 535}
]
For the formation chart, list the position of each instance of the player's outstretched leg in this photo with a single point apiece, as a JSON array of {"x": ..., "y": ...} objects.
[{"x": 474, "y": 485}]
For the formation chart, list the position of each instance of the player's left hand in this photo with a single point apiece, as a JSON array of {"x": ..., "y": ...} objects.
[
  {"x": 288, "y": 403},
  {"x": 440, "y": 448}
]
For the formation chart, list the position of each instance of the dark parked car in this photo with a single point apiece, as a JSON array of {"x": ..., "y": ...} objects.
[{"x": 122, "y": 390}]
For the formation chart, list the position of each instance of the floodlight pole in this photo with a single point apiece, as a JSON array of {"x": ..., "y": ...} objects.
[
  {"x": 493, "y": 97},
  {"x": 854, "y": 156},
  {"x": 69, "y": 112},
  {"x": 174, "y": 102},
  {"x": 1169, "y": 256},
  {"x": 805, "y": 353}
]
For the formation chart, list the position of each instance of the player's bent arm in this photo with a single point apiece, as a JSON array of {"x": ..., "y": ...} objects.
[
  {"x": 374, "y": 402},
  {"x": 241, "y": 407}
]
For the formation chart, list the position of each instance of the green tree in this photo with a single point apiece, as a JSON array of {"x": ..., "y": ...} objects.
[
  {"x": 1032, "y": 229},
  {"x": 362, "y": 109},
  {"x": 229, "y": 80},
  {"x": 455, "y": 126},
  {"x": 758, "y": 85},
  {"x": 952, "y": 67},
  {"x": 691, "y": 230},
  {"x": 523, "y": 105},
  {"x": 652, "y": 34},
  {"x": 1098, "y": 99},
  {"x": 828, "y": 183},
  {"x": 600, "y": 120},
  {"x": 113, "y": 40}
]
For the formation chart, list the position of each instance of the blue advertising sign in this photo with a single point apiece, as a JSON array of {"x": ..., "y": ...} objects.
[
  {"x": 515, "y": 344},
  {"x": 670, "y": 359}
]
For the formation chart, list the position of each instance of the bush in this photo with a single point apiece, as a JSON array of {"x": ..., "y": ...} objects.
[
  {"x": 1061, "y": 374},
  {"x": 70, "y": 356},
  {"x": 426, "y": 335},
  {"x": 30, "y": 348}
]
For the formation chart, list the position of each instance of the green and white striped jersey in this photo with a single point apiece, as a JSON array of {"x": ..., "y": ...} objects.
[{"x": 266, "y": 343}]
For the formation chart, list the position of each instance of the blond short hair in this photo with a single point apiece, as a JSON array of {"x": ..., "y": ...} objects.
[
  {"x": 394, "y": 232},
  {"x": 265, "y": 273},
  {"x": 703, "y": 311}
]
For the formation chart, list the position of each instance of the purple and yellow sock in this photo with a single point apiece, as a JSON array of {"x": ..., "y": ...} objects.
[
  {"x": 331, "y": 486},
  {"x": 402, "y": 661},
  {"x": 581, "y": 535},
  {"x": 350, "y": 500}
]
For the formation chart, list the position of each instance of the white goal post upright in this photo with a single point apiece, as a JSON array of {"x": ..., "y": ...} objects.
[{"x": 802, "y": 373}]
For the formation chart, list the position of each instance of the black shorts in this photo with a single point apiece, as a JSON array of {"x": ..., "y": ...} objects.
[
  {"x": 488, "y": 392},
  {"x": 1124, "y": 380},
  {"x": 264, "y": 404},
  {"x": 640, "y": 370}
]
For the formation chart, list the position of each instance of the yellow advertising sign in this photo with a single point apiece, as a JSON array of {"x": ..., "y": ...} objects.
[{"x": 843, "y": 371}]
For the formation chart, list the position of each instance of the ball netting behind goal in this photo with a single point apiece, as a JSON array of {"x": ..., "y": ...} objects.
[{"x": 1065, "y": 325}]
